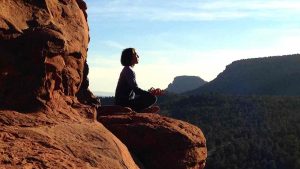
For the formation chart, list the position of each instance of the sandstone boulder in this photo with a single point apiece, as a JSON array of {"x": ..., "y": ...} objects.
[{"x": 159, "y": 142}]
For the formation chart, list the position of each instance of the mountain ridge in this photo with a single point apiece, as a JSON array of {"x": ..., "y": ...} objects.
[{"x": 273, "y": 75}]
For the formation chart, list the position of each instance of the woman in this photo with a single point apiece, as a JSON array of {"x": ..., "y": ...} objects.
[{"x": 128, "y": 94}]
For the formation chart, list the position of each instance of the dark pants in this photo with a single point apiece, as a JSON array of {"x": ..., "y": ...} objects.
[{"x": 139, "y": 103}]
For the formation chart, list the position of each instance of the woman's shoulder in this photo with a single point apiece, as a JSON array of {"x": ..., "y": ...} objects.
[{"x": 127, "y": 70}]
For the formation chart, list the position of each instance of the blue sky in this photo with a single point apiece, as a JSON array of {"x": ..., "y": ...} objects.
[{"x": 191, "y": 37}]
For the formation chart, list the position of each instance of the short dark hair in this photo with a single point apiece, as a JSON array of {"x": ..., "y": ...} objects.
[{"x": 126, "y": 56}]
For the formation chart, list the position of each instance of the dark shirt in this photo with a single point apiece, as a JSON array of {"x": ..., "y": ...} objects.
[{"x": 127, "y": 87}]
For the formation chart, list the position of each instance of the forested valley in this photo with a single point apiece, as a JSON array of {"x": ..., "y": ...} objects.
[{"x": 243, "y": 132}]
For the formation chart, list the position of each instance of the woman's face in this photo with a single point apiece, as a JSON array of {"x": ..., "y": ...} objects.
[{"x": 135, "y": 59}]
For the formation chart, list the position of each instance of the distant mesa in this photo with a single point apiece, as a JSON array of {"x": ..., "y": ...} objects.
[
  {"x": 182, "y": 84},
  {"x": 277, "y": 75}
]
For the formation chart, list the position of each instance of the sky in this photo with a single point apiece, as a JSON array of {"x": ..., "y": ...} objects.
[{"x": 190, "y": 37}]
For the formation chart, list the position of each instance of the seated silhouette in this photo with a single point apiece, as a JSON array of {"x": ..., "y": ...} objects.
[{"x": 128, "y": 94}]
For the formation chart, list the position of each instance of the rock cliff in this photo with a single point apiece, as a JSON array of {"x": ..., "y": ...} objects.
[{"x": 48, "y": 114}]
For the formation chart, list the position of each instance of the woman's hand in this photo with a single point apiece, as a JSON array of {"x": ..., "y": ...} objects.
[{"x": 156, "y": 92}]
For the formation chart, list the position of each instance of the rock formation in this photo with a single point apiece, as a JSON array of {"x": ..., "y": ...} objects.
[
  {"x": 47, "y": 113},
  {"x": 37, "y": 141},
  {"x": 159, "y": 142},
  {"x": 43, "y": 48}
]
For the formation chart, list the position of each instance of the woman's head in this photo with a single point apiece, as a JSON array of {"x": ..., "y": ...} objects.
[{"x": 129, "y": 57}]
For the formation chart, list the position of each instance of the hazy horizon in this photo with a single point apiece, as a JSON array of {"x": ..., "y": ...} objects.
[{"x": 197, "y": 38}]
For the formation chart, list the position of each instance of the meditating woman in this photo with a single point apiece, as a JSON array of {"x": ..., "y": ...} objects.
[{"x": 128, "y": 94}]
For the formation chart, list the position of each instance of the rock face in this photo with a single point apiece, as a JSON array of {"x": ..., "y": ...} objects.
[
  {"x": 159, "y": 142},
  {"x": 43, "y": 48},
  {"x": 48, "y": 114}
]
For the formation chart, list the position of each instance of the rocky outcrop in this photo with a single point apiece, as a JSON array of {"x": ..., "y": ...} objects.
[
  {"x": 159, "y": 142},
  {"x": 43, "y": 48},
  {"x": 41, "y": 141},
  {"x": 48, "y": 114}
]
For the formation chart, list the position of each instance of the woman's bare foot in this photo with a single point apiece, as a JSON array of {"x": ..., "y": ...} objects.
[{"x": 153, "y": 109}]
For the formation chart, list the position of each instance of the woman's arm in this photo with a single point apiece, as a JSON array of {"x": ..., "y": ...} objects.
[{"x": 131, "y": 80}]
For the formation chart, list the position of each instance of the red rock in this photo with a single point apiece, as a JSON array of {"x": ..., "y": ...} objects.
[
  {"x": 43, "y": 46},
  {"x": 39, "y": 141},
  {"x": 159, "y": 142},
  {"x": 113, "y": 109}
]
